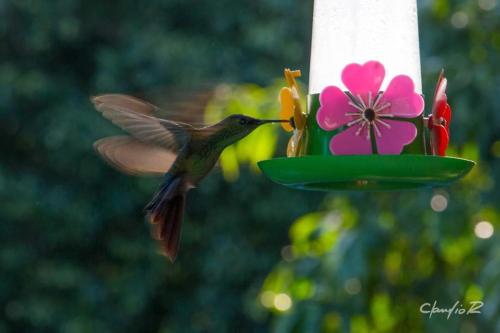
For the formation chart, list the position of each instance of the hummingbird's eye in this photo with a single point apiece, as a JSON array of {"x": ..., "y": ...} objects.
[{"x": 243, "y": 121}]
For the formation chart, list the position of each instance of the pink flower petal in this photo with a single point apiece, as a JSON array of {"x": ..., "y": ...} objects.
[
  {"x": 393, "y": 139},
  {"x": 361, "y": 79},
  {"x": 405, "y": 102},
  {"x": 348, "y": 143},
  {"x": 334, "y": 106}
]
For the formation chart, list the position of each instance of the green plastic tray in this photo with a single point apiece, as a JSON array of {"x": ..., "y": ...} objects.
[{"x": 365, "y": 172}]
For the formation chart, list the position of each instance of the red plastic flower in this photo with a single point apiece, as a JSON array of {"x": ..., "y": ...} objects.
[{"x": 439, "y": 120}]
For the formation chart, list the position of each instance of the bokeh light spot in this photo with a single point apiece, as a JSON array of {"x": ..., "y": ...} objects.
[
  {"x": 287, "y": 253},
  {"x": 439, "y": 203},
  {"x": 459, "y": 20},
  {"x": 267, "y": 299},
  {"x": 473, "y": 293},
  {"x": 487, "y": 4},
  {"x": 282, "y": 302},
  {"x": 331, "y": 222},
  {"x": 352, "y": 286},
  {"x": 484, "y": 229}
]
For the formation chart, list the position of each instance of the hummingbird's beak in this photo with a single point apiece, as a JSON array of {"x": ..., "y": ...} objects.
[{"x": 265, "y": 121}]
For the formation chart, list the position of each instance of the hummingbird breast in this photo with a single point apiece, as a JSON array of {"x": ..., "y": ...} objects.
[{"x": 196, "y": 161}]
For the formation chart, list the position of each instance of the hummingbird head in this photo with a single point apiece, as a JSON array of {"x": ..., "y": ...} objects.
[
  {"x": 242, "y": 121},
  {"x": 237, "y": 126}
]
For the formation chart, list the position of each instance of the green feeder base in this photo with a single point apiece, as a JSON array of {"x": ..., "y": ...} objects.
[{"x": 365, "y": 172}]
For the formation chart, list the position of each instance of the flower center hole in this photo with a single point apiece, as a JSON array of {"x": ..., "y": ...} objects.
[{"x": 370, "y": 114}]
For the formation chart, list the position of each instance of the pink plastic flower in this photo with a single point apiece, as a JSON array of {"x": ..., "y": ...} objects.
[{"x": 365, "y": 113}]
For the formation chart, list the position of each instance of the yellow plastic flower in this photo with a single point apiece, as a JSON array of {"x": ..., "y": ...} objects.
[{"x": 292, "y": 110}]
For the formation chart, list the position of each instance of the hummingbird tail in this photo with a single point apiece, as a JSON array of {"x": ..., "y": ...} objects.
[{"x": 166, "y": 212}]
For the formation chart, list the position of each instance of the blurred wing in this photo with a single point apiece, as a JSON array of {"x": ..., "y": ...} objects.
[
  {"x": 185, "y": 105},
  {"x": 133, "y": 115},
  {"x": 134, "y": 157},
  {"x": 126, "y": 102}
]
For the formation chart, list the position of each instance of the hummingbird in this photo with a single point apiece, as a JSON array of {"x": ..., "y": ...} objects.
[{"x": 183, "y": 153}]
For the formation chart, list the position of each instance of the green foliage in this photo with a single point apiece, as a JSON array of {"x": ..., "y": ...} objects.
[{"x": 76, "y": 255}]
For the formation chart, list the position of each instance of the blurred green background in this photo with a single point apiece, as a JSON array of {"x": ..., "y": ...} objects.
[{"x": 75, "y": 253}]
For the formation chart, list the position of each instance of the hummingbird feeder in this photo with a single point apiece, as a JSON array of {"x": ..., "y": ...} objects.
[{"x": 365, "y": 127}]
